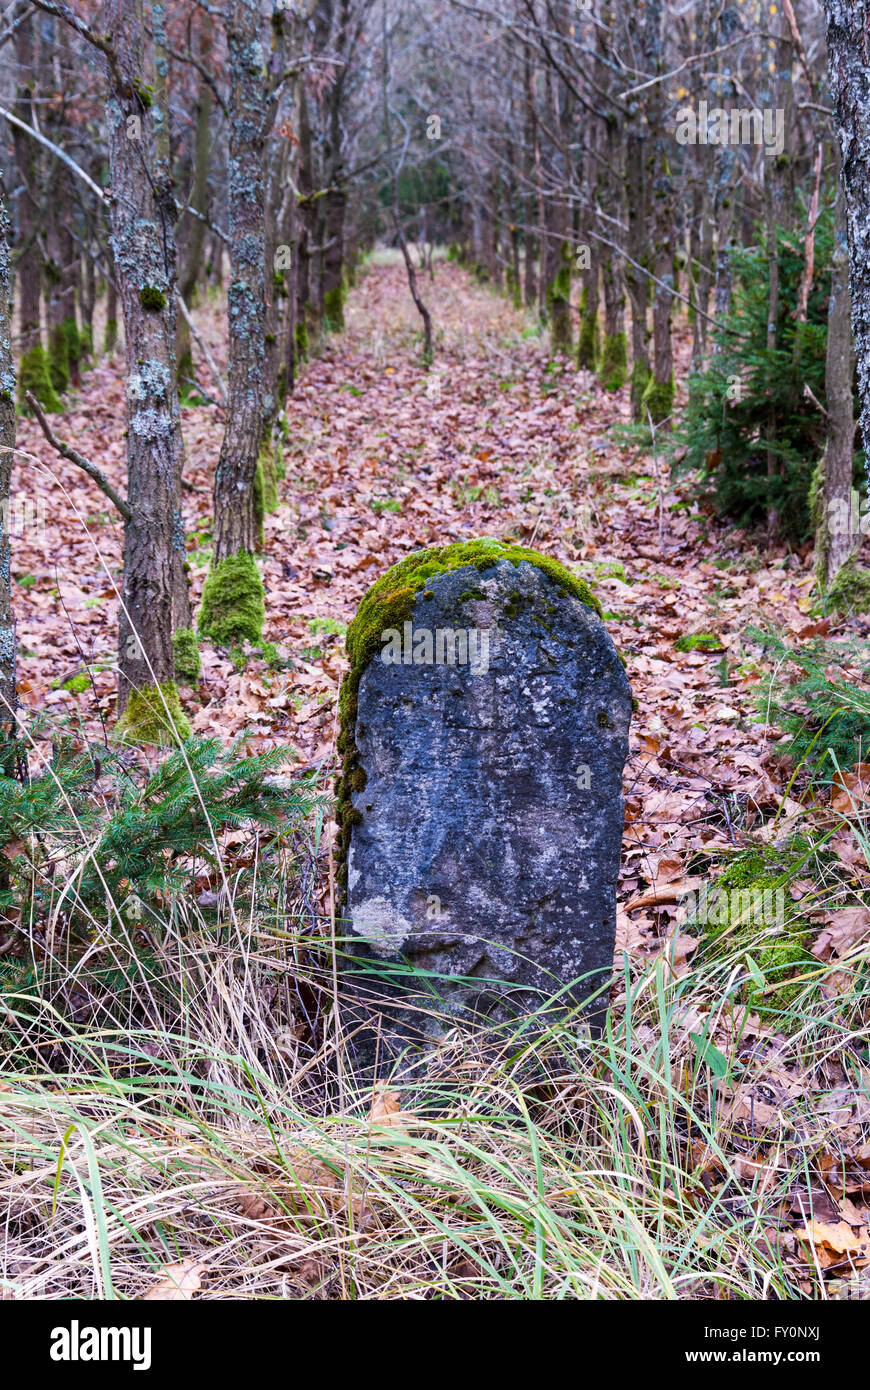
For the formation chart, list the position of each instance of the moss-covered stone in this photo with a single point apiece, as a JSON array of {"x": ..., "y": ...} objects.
[
  {"x": 233, "y": 602},
  {"x": 850, "y": 590},
  {"x": 388, "y": 603},
  {"x": 152, "y": 299},
  {"x": 34, "y": 375},
  {"x": 185, "y": 652},
  {"x": 613, "y": 366},
  {"x": 698, "y": 642},
  {"x": 153, "y": 716},
  {"x": 749, "y": 912},
  {"x": 658, "y": 400}
]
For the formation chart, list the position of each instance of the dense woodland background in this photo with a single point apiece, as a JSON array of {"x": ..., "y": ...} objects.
[{"x": 287, "y": 291}]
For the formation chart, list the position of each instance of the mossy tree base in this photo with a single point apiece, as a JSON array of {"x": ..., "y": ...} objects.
[
  {"x": 185, "y": 649},
  {"x": 34, "y": 375},
  {"x": 153, "y": 717},
  {"x": 640, "y": 379},
  {"x": 588, "y": 343},
  {"x": 613, "y": 366},
  {"x": 233, "y": 602},
  {"x": 658, "y": 401},
  {"x": 58, "y": 358},
  {"x": 850, "y": 589}
]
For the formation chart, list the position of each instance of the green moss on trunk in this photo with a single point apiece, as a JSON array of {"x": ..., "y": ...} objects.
[
  {"x": 588, "y": 340},
  {"x": 302, "y": 344},
  {"x": 850, "y": 590},
  {"x": 58, "y": 358},
  {"x": 613, "y": 368},
  {"x": 333, "y": 309},
  {"x": 640, "y": 379},
  {"x": 153, "y": 716},
  {"x": 233, "y": 602},
  {"x": 34, "y": 375},
  {"x": 259, "y": 509},
  {"x": 185, "y": 650},
  {"x": 658, "y": 400},
  {"x": 111, "y": 339}
]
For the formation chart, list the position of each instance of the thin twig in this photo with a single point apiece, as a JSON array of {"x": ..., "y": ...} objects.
[
  {"x": 216, "y": 376},
  {"x": 68, "y": 452}
]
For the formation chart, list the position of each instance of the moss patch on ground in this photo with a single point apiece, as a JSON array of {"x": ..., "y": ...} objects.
[
  {"x": 388, "y": 603},
  {"x": 233, "y": 602},
  {"x": 699, "y": 642},
  {"x": 153, "y": 716},
  {"x": 747, "y": 921}
]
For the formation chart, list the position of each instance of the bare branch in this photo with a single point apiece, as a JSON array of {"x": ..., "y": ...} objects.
[{"x": 68, "y": 452}]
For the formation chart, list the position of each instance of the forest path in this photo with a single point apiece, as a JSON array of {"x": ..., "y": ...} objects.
[{"x": 383, "y": 458}]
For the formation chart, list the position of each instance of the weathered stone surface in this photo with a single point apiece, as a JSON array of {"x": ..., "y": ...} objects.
[{"x": 487, "y": 833}]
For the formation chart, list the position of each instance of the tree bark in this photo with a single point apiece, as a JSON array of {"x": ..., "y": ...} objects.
[
  {"x": 837, "y": 520},
  {"x": 29, "y": 261},
  {"x": 8, "y": 697},
  {"x": 848, "y": 37},
  {"x": 235, "y": 527},
  {"x": 142, "y": 213}
]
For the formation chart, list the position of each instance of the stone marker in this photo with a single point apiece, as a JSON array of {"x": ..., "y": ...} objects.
[{"x": 484, "y": 731}]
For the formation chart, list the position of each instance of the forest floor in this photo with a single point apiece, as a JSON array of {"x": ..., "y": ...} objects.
[
  {"x": 738, "y": 1161},
  {"x": 383, "y": 459}
]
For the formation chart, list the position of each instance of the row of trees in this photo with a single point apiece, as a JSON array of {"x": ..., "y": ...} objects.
[{"x": 605, "y": 162}]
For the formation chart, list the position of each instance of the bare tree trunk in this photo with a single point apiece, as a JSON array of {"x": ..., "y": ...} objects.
[
  {"x": 235, "y": 527},
  {"x": 198, "y": 200},
  {"x": 142, "y": 212},
  {"x": 8, "y": 697},
  {"x": 848, "y": 37},
  {"x": 28, "y": 260},
  {"x": 837, "y": 520}
]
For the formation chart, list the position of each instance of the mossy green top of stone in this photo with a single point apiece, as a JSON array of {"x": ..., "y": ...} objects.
[
  {"x": 389, "y": 603},
  {"x": 390, "y": 600}
]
